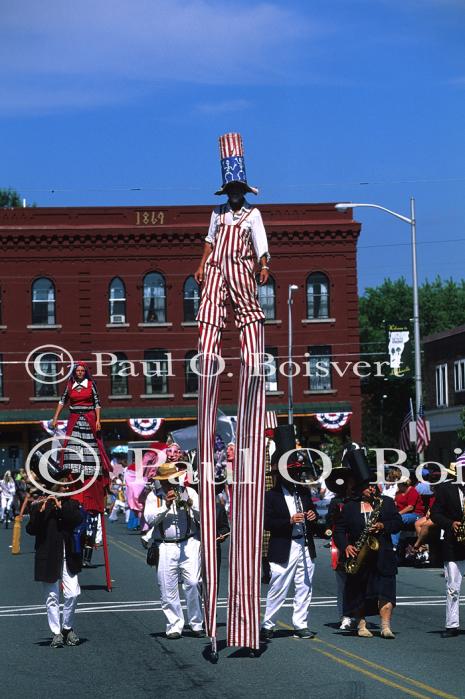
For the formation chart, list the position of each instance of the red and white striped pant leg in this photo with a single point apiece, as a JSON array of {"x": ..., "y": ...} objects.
[
  {"x": 209, "y": 350},
  {"x": 242, "y": 289},
  {"x": 248, "y": 497},
  {"x": 212, "y": 308}
]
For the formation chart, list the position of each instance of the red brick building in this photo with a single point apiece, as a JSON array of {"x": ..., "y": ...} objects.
[
  {"x": 444, "y": 372},
  {"x": 96, "y": 281}
]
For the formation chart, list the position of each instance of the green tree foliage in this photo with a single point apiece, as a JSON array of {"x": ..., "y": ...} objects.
[
  {"x": 461, "y": 432},
  {"x": 10, "y": 199},
  {"x": 442, "y": 306}
]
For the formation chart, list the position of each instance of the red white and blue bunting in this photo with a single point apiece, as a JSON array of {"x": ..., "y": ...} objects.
[
  {"x": 61, "y": 425},
  {"x": 147, "y": 426},
  {"x": 333, "y": 422}
]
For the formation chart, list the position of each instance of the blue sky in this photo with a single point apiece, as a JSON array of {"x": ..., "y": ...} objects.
[{"x": 101, "y": 96}]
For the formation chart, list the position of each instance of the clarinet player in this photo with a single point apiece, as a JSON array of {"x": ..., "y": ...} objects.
[
  {"x": 290, "y": 517},
  {"x": 372, "y": 588},
  {"x": 448, "y": 512}
]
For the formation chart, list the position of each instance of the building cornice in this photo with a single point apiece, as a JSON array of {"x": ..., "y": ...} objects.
[{"x": 164, "y": 237}]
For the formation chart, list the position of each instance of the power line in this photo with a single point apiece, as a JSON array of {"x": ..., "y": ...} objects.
[{"x": 59, "y": 189}]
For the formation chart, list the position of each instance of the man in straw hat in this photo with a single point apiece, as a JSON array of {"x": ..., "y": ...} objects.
[
  {"x": 448, "y": 512},
  {"x": 174, "y": 515},
  {"x": 235, "y": 244}
]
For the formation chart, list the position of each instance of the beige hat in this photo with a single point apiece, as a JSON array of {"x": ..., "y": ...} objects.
[
  {"x": 168, "y": 470},
  {"x": 452, "y": 470}
]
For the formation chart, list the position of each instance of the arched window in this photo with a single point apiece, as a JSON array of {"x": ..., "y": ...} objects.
[
  {"x": 191, "y": 299},
  {"x": 43, "y": 302},
  {"x": 317, "y": 296},
  {"x": 156, "y": 370},
  {"x": 154, "y": 299},
  {"x": 117, "y": 301},
  {"x": 267, "y": 298},
  {"x": 45, "y": 376},
  {"x": 191, "y": 376},
  {"x": 119, "y": 375}
]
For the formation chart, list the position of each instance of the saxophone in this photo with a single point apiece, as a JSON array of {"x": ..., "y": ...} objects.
[
  {"x": 366, "y": 542},
  {"x": 460, "y": 533}
]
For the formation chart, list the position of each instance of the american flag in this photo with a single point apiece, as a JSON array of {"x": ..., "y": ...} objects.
[
  {"x": 422, "y": 430},
  {"x": 404, "y": 438}
]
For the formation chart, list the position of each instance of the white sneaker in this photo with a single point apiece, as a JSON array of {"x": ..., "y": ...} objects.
[{"x": 346, "y": 623}]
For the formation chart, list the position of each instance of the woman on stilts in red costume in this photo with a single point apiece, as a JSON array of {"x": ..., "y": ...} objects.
[{"x": 84, "y": 424}]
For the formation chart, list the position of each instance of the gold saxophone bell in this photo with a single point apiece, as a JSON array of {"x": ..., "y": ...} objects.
[{"x": 366, "y": 543}]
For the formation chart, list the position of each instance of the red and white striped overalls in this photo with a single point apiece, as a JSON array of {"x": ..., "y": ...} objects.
[{"x": 229, "y": 271}]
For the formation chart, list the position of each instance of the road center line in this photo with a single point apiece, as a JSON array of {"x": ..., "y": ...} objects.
[{"x": 377, "y": 666}]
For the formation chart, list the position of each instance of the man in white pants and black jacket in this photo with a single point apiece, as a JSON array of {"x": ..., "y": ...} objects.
[
  {"x": 290, "y": 517},
  {"x": 58, "y": 558},
  {"x": 447, "y": 512},
  {"x": 174, "y": 515}
]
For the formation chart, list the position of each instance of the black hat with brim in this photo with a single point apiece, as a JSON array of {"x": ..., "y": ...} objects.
[{"x": 338, "y": 479}]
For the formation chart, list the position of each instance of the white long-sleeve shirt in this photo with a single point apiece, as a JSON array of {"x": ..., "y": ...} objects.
[
  {"x": 7, "y": 489},
  {"x": 253, "y": 221},
  {"x": 176, "y": 522}
]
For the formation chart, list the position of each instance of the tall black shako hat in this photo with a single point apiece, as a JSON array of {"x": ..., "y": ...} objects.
[
  {"x": 298, "y": 462},
  {"x": 232, "y": 163},
  {"x": 354, "y": 466}
]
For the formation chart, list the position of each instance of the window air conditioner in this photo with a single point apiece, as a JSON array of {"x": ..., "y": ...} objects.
[{"x": 117, "y": 319}]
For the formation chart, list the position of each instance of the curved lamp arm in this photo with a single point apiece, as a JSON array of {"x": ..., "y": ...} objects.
[{"x": 350, "y": 205}]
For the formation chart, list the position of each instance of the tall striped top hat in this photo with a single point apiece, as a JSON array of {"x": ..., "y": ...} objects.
[{"x": 232, "y": 162}]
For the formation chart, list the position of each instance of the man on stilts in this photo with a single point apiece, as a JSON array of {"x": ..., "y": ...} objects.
[{"x": 235, "y": 240}]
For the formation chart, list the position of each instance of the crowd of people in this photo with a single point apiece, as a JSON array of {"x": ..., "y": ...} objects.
[{"x": 164, "y": 508}]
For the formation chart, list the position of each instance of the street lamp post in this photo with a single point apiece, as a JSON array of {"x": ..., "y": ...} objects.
[
  {"x": 290, "y": 398},
  {"x": 416, "y": 311},
  {"x": 381, "y": 415}
]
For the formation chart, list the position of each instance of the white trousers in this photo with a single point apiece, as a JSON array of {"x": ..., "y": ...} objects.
[
  {"x": 5, "y": 502},
  {"x": 453, "y": 573},
  {"x": 71, "y": 592},
  {"x": 119, "y": 506},
  {"x": 180, "y": 561},
  {"x": 300, "y": 569}
]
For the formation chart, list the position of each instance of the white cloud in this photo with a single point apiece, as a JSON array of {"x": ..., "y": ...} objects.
[
  {"x": 147, "y": 43},
  {"x": 222, "y": 106}
]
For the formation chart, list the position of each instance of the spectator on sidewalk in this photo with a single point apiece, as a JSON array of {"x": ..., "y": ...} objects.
[
  {"x": 7, "y": 494},
  {"x": 409, "y": 505}
]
